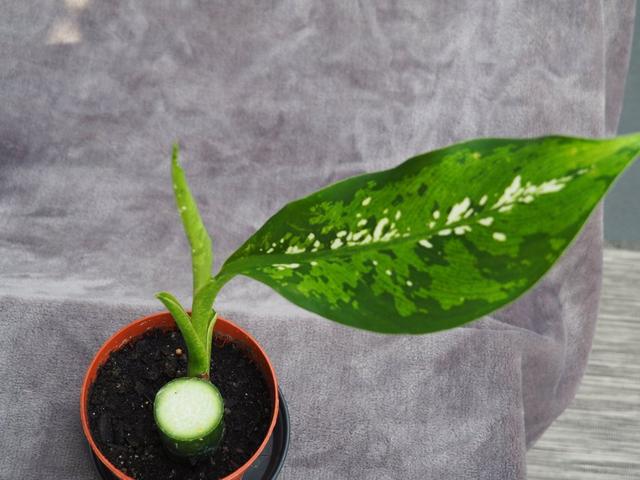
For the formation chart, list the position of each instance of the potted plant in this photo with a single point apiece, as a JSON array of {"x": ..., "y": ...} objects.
[{"x": 440, "y": 240}]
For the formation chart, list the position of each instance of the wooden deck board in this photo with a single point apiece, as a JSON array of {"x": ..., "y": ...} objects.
[{"x": 598, "y": 436}]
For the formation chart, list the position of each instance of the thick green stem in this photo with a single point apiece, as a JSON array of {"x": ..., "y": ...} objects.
[
  {"x": 197, "y": 353},
  {"x": 198, "y": 366},
  {"x": 220, "y": 281},
  {"x": 201, "y": 367},
  {"x": 197, "y": 329}
]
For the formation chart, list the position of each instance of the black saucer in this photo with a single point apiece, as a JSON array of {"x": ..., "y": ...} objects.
[{"x": 268, "y": 464}]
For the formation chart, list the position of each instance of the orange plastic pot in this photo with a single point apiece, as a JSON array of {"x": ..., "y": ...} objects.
[{"x": 164, "y": 321}]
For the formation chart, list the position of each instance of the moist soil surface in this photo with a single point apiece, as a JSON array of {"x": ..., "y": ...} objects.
[{"x": 121, "y": 407}]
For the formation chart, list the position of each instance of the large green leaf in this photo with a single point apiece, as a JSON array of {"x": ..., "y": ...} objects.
[{"x": 440, "y": 240}]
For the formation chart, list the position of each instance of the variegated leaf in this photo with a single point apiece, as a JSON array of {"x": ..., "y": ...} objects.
[{"x": 440, "y": 240}]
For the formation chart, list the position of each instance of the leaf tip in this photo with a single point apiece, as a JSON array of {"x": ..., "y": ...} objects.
[{"x": 162, "y": 295}]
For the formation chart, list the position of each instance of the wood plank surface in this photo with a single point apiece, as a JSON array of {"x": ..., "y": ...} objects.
[{"x": 598, "y": 436}]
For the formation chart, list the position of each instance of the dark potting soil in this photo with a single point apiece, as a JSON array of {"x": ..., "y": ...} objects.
[{"x": 121, "y": 407}]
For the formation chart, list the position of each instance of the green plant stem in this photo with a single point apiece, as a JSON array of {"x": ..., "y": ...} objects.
[
  {"x": 220, "y": 281},
  {"x": 209, "y": 339},
  {"x": 198, "y": 366},
  {"x": 197, "y": 353},
  {"x": 197, "y": 328}
]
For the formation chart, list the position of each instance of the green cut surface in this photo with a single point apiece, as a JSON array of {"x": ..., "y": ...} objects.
[{"x": 189, "y": 414}]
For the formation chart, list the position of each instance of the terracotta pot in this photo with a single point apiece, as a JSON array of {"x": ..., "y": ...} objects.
[{"x": 165, "y": 321}]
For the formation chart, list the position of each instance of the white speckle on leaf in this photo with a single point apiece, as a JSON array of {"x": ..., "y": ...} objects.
[
  {"x": 375, "y": 262},
  {"x": 362, "y": 222},
  {"x": 425, "y": 243},
  {"x": 294, "y": 249},
  {"x": 388, "y": 272},
  {"x": 341, "y": 233},
  {"x": 314, "y": 263},
  {"x": 458, "y": 210},
  {"x": 462, "y": 229},
  {"x": 283, "y": 266},
  {"x": 270, "y": 250},
  {"x": 385, "y": 211},
  {"x": 311, "y": 236},
  {"x": 483, "y": 200},
  {"x": 486, "y": 221},
  {"x": 499, "y": 236},
  {"x": 432, "y": 224},
  {"x": 366, "y": 201},
  {"x": 551, "y": 186},
  {"x": 444, "y": 232},
  {"x": 377, "y": 232},
  {"x": 409, "y": 283},
  {"x": 390, "y": 236},
  {"x": 337, "y": 243},
  {"x": 436, "y": 214},
  {"x": 510, "y": 193},
  {"x": 516, "y": 193},
  {"x": 398, "y": 215},
  {"x": 359, "y": 235}
]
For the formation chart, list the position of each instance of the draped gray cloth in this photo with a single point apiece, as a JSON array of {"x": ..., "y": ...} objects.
[{"x": 272, "y": 100}]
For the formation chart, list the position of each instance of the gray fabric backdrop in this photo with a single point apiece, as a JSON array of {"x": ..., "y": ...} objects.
[{"x": 272, "y": 100}]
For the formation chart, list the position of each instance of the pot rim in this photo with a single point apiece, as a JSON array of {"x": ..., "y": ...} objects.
[{"x": 158, "y": 320}]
